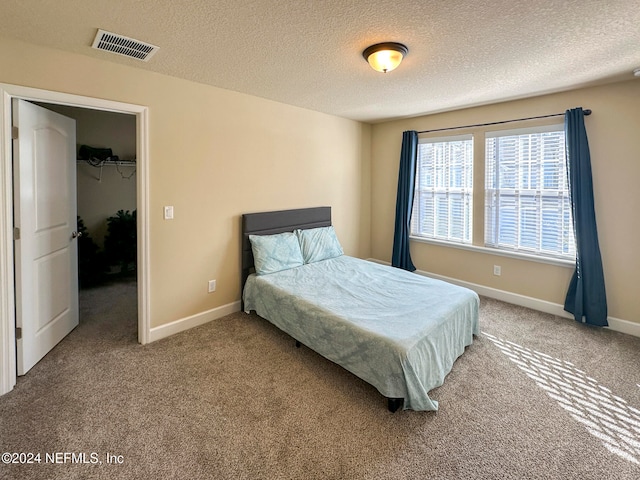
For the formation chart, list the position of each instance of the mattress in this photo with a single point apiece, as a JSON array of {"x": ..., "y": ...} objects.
[{"x": 399, "y": 331}]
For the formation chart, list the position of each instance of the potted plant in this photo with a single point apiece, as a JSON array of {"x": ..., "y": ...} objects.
[
  {"x": 120, "y": 241},
  {"x": 91, "y": 264}
]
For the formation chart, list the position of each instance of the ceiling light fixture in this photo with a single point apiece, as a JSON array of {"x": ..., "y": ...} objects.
[
  {"x": 636, "y": 72},
  {"x": 384, "y": 57}
]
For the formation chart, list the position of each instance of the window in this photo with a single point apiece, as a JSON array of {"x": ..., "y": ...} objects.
[
  {"x": 442, "y": 206},
  {"x": 527, "y": 209},
  {"x": 527, "y": 205}
]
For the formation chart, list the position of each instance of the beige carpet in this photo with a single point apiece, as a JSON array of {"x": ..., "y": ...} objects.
[{"x": 534, "y": 397}]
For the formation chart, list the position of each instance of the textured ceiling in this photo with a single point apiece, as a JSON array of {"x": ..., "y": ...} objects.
[{"x": 308, "y": 52}]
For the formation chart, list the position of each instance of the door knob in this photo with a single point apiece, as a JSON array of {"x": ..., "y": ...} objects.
[{"x": 76, "y": 234}]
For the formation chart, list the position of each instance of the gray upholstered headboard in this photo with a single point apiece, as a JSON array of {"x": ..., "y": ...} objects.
[{"x": 269, "y": 223}]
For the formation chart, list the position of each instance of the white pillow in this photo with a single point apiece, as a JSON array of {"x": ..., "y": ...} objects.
[
  {"x": 274, "y": 253},
  {"x": 319, "y": 244}
]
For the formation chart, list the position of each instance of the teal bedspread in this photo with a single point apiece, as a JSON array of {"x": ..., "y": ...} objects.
[{"x": 399, "y": 331}]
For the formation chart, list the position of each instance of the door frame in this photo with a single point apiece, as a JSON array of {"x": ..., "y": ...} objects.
[{"x": 7, "y": 282}]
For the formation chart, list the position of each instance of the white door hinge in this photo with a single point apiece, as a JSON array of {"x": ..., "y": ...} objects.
[
  {"x": 18, "y": 333},
  {"x": 14, "y": 132},
  {"x": 16, "y": 233}
]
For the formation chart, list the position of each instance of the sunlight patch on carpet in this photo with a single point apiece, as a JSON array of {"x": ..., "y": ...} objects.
[{"x": 606, "y": 416}]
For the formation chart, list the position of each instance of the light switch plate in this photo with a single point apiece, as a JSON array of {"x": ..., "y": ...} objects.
[{"x": 168, "y": 212}]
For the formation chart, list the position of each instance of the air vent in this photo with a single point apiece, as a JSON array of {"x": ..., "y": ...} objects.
[{"x": 129, "y": 47}]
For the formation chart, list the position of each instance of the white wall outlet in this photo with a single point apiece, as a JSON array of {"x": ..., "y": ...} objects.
[
  {"x": 497, "y": 270},
  {"x": 168, "y": 212},
  {"x": 212, "y": 286}
]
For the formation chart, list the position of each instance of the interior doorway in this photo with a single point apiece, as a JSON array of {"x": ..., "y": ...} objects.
[
  {"x": 106, "y": 207},
  {"x": 106, "y": 193},
  {"x": 7, "y": 285}
]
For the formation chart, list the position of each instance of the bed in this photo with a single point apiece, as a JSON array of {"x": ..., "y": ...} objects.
[{"x": 399, "y": 331}]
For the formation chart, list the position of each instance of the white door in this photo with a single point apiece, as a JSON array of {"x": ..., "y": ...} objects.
[{"x": 46, "y": 260}]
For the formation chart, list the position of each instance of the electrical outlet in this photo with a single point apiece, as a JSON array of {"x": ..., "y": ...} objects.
[
  {"x": 212, "y": 286},
  {"x": 497, "y": 270}
]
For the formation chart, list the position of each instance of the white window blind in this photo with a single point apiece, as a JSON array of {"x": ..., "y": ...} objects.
[
  {"x": 443, "y": 202},
  {"x": 527, "y": 206}
]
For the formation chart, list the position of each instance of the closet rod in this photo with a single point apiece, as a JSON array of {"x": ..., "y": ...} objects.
[{"x": 586, "y": 112}]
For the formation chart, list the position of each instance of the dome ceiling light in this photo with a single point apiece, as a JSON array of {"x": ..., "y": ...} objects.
[{"x": 384, "y": 57}]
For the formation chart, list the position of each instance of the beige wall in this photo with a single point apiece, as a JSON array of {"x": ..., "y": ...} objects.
[
  {"x": 214, "y": 154},
  {"x": 614, "y": 139}
]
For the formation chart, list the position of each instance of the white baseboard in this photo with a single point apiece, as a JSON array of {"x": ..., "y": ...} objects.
[
  {"x": 616, "y": 324},
  {"x": 196, "y": 320}
]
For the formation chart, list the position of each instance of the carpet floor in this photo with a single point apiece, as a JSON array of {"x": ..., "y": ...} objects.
[{"x": 534, "y": 397}]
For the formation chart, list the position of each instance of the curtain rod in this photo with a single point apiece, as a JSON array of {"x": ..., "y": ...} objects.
[{"x": 586, "y": 112}]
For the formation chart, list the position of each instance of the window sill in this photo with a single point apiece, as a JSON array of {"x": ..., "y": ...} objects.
[{"x": 501, "y": 253}]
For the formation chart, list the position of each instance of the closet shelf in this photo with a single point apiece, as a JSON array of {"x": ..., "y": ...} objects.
[
  {"x": 116, "y": 163},
  {"x": 121, "y": 163}
]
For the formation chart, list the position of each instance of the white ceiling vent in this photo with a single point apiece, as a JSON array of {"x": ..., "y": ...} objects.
[{"x": 129, "y": 47}]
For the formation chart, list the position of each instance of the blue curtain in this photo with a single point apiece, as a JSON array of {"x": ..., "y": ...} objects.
[
  {"x": 586, "y": 298},
  {"x": 404, "y": 201}
]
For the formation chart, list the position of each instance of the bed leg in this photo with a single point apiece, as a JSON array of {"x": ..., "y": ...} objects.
[
  {"x": 395, "y": 404},
  {"x": 298, "y": 344}
]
